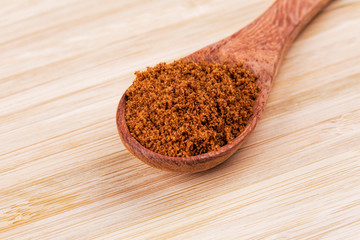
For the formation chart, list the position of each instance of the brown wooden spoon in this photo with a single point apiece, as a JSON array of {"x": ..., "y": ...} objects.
[{"x": 261, "y": 46}]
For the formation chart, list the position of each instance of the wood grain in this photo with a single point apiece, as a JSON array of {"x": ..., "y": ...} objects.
[{"x": 64, "y": 173}]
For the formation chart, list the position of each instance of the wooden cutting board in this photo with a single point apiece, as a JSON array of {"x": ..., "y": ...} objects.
[{"x": 64, "y": 173}]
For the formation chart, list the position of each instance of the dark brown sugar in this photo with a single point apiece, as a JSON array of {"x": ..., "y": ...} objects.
[{"x": 185, "y": 108}]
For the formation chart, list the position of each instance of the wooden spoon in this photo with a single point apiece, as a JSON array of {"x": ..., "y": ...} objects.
[{"x": 261, "y": 46}]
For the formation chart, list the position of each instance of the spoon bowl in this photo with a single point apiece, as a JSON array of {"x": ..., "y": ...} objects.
[{"x": 260, "y": 46}]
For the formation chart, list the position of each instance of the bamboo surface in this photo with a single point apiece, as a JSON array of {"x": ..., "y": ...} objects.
[{"x": 64, "y": 173}]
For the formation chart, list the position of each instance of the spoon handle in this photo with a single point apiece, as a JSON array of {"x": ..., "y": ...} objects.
[
  {"x": 272, "y": 33},
  {"x": 282, "y": 22},
  {"x": 262, "y": 44}
]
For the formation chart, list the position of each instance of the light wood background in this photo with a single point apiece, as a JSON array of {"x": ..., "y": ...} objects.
[{"x": 64, "y": 173}]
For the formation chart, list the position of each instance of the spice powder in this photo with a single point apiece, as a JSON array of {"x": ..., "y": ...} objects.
[{"x": 186, "y": 108}]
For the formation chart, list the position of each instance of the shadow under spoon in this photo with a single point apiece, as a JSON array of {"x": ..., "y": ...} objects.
[{"x": 260, "y": 46}]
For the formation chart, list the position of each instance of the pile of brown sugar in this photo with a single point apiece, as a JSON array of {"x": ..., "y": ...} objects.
[{"x": 185, "y": 108}]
